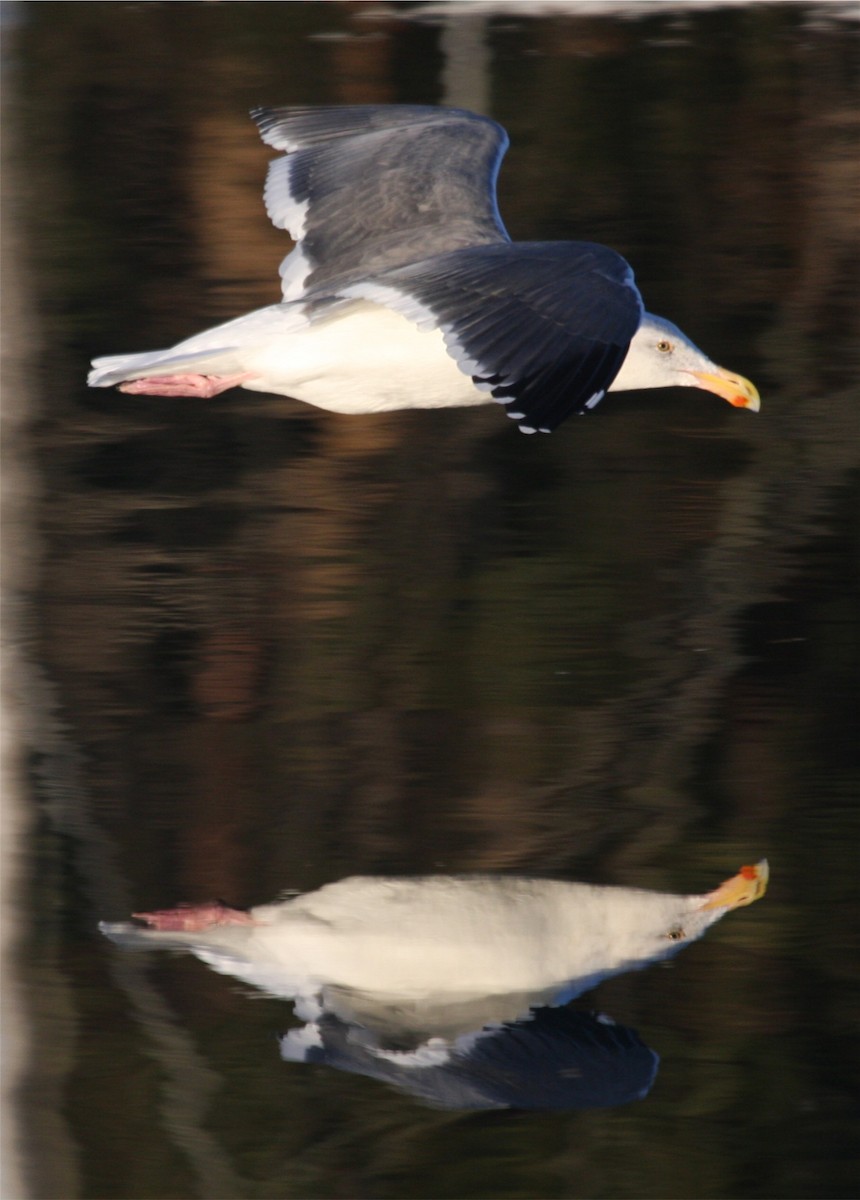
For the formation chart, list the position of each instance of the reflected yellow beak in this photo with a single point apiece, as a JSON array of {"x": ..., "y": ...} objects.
[
  {"x": 748, "y": 885},
  {"x": 734, "y": 388}
]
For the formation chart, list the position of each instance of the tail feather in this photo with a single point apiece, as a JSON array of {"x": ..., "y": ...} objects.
[
  {"x": 138, "y": 937},
  {"x": 119, "y": 368},
  {"x": 217, "y": 351}
]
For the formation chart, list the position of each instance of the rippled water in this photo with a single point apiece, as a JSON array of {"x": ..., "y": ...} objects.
[{"x": 253, "y": 646}]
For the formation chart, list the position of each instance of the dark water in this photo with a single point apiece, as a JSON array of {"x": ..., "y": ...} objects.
[{"x": 254, "y": 646}]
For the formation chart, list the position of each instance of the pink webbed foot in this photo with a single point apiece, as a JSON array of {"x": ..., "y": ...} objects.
[
  {"x": 202, "y": 386},
  {"x": 192, "y": 918}
]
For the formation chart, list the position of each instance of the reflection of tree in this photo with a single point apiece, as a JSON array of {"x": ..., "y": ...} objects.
[{"x": 290, "y": 645}]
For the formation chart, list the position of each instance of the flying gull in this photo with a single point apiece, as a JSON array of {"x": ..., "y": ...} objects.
[{"x": 404, "y": 289}]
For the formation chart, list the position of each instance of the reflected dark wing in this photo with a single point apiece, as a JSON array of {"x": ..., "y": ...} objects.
[
  {"x": 553, "y": 1059},
  {"x": 543, "y": 326},
  {"x": 369, "y": 187},
  {"x": 560, "y": 1059}
]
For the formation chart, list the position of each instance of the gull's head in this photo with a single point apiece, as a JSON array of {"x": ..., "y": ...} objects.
[
  {"x": 660, "y": 355},
  {"x": 645, "y": 927}
]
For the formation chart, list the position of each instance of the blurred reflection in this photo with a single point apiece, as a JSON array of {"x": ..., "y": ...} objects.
[
  {"x": 553, "y": 1058},
  {"x": 429, "y": 983}
]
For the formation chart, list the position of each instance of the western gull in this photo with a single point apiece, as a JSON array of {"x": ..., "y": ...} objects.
[
  {"x": 404, "y": 289},
  {"x": 441, "y": 939}
]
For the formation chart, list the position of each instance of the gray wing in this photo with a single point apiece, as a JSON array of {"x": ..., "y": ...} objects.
[
  {"x": 366, "y": 188},
  {"x": 555, "y": 1059},
  {"x": 542, "y": 326}
]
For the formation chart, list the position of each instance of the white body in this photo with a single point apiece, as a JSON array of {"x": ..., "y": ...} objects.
[
  {"x": 362, "y": 358},
  {"x": 461, "y": 937},
  {"x": 368, "y": 360}
]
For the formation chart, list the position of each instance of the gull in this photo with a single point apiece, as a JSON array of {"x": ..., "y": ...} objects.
[{"x": 404, "y": 289}]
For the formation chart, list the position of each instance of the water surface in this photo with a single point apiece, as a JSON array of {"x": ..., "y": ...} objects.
[{"x": 257, "y": 647}]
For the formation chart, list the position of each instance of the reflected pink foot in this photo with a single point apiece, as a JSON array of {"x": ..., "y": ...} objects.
[
  {"x": 202, "y": 386},
  {"x": 191, "y": 918}
]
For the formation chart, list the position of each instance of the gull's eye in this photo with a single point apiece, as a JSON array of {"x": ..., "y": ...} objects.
[
  {"x": 675, "y": 935},
  {"x": 664, "y": 346}
]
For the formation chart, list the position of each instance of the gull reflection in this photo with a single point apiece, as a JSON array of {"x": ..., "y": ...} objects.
[
  {"x": 550, "y": 1058},
  {"x": 450, "y": 987}
]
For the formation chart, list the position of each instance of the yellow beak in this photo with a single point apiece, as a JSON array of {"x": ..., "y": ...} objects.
[
  {"x": 734, "y": 388},
  {"x": 748, "y": 885}
]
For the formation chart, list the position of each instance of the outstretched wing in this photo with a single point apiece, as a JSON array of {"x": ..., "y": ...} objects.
[
  {"x": 543, "y": 326},
  {"x": 366, "y": 188}
]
